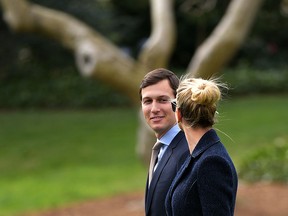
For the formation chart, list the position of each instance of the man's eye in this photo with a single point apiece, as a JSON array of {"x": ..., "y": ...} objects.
[
  {"x": 163, "y": 100},
  {"x": 146, "y": 101}
]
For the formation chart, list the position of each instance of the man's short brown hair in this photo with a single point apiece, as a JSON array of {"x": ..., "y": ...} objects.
[{"x": 158, "y": 75}]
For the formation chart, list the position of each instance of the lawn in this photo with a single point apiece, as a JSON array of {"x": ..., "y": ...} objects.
[
  {"x": 253, "y": 122},
  {"x": 51, "y": 158}
]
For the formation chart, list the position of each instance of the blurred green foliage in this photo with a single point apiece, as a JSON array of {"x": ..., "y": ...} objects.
[
  {"x": 244, "y": 81},
  {"x": 35, "y": 87},
  {"x": 42, "y": 86},
  {"x": 266, "y": 164}
]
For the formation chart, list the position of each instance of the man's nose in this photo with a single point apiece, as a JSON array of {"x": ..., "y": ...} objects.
[{"x": 155, "y": 107}]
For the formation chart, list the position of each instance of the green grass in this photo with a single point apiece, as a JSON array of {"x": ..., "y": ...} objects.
[
  {"x": 253, "y": 122},
  {"x": 48, "y": 159},
  {"x": 51, "y": 158}
]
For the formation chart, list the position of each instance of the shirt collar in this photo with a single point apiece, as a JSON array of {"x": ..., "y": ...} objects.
[{"x": 169, "y": 136}]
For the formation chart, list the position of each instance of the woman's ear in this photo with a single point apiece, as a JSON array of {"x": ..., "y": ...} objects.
[
  {"x": 178, "y": 115},
  {"x": 179, "y": 118}
]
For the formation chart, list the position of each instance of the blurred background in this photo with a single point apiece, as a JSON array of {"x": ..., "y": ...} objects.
[{"x": 65, "y": 138}]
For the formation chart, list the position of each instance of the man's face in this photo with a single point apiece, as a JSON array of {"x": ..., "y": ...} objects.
[{"x": 156, "y": 107}]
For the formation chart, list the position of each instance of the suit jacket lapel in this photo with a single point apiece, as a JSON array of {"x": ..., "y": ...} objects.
[
  {"x": 156, "y": 175},
  {"x": 160, "y": 168}
]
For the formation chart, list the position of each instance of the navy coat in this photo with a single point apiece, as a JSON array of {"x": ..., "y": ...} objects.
[
  {"x": 207, "y": 182},
  {"x": 170, "y": 163}
]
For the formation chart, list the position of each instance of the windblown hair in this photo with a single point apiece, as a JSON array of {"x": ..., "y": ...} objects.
[{"x": 197, "y": 100}]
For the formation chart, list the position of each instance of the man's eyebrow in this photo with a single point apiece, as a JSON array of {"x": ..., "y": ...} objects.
[
  {"x": 157, "y": 97},
  {"x": 147, "y": 97},
  {"x": 164, "y": 96}
]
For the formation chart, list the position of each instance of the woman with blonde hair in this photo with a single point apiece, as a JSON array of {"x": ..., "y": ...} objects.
[{"x": 207, "y": 182}]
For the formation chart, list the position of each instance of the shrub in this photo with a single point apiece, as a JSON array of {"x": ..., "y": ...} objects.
[
  {"x": 34, "y": 87},
  {"x": 266, "y": 164},
  {"x": 244, "y": 80}
]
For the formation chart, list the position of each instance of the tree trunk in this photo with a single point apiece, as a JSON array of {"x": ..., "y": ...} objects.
[
  {"x": 155, "y": 53},
  {"x": 98, "y": 58}
]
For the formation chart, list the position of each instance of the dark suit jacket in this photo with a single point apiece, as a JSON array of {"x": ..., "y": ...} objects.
[
  {"x": 170, "y": 163},
  {"x": 207, "y": 182}
]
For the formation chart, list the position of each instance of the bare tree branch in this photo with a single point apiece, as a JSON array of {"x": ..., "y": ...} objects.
[
  {"x": 156, "y": 53},
  {"x": 98, "y": 58},
  {"x": 159, "y": 47},
  {"x": 227, "y": 37},
  {"x": 95, "y": 56},
  {"x": 284, "y": 7}
]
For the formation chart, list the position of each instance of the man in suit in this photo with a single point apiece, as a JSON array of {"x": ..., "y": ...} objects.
[{"x": 157, "y": 89}]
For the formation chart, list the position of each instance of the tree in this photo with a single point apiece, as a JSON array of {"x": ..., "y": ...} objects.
[{"x": 97, "y": 58}]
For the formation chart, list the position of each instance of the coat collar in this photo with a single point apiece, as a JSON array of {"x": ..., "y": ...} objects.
[{"x": 206, "y": 141}]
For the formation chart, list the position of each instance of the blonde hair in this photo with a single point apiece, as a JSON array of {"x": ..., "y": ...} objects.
[{"x": 197, "y": 100}]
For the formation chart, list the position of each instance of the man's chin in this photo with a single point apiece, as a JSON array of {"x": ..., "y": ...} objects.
[
  {"x": 155, "y": 128},
  {"x": 158, "y": 130}
]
